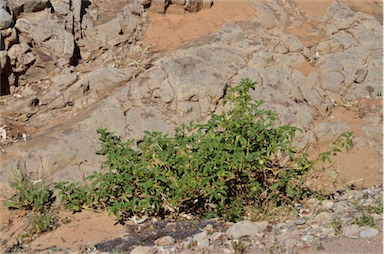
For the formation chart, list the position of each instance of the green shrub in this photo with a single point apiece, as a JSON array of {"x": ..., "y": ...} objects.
[
  {"x": 237, "y": 159},
  {"x": 365, "y": 220},
  {"x": 337, "y": 225}
]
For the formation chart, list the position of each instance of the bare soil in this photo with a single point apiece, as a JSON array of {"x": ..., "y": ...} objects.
[{"x": 361, "y": 167}]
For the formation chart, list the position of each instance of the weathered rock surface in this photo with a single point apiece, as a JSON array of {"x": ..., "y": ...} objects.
[
  {"x": 5, "y": 19},
  {"x": 59, "y": 33},
  {"x": 349, "y": 61}
]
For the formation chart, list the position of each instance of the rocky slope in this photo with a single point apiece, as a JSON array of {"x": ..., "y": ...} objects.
[{"x": 122, "y": 86}]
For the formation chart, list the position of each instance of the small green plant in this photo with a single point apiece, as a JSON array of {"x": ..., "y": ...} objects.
[
  {"x": 376, "y": 208},
  {"x": 343, "y": 142},
  {"x": 237, "y": 159},
  {"x": 337, "y": 225},
  {"x": 365, "y": 220},
  {"x": 238, "y": 246},
  {"x": 367, "y": 210},
  {"x": 35, "y": 196},
  {"x": 276, "y": 248},
  {"x": 41, "y": 222},
  {"x": 320, "y": 246},
  {"x": 30, "y": 195}
]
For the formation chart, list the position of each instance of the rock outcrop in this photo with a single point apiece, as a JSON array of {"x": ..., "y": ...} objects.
[{"x": 42, "y": 37}]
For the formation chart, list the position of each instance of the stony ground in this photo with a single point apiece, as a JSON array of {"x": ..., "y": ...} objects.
[{"x": 351, "y": 214}]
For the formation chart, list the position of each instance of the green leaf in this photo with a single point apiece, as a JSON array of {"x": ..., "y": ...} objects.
[{"x": 10, "y": 204}]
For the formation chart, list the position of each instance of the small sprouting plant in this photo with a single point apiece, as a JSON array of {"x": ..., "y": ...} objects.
[
  {"x": 36, "y": 197},
  {"x": 41, "y": 222},
  {"x": 320, "y": 246},
  {"x": 376, "y": 208},
  {"x": 30, "y": 194},
  {"x": 238, "y": 246},
  {"x": 276, "y": 248},
  {"x": 343, "y": 142},
  {"x": 337, "y": 225},
  {"x": 365, "y": 220}
]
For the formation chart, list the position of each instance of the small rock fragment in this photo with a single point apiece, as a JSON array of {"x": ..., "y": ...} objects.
[
  {"x": 241, "y": 229},
  {"x": 165, "y": 241},
  {"x": 369, "y": 233}
]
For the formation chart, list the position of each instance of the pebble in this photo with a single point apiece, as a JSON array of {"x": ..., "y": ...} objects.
[
  {"x": 327, "y": 233},
  {"x": 242, "y": 229},
  {"x": 284, "y": 238},
  {"x": 143, "y": 250},
  {"x": 165, "y": 241},
  {"x": 209, "y": 228},
  {"x": 325, "y": 217},
  {"x": 341, "y": 206},
  {"x": 202, "y": 240},
  {"x": 371, "y": 192},
  {"x": 328, "y": 204},
  {"x": 290, "y": 242},
  {"x": 300, "y": 221},
  {"x": 215, "y": 236},
  {"x": 165, "y": 250},
  {"x": 352, "y": 231},
  {"x": 369, "y": 233},
  {"x": 307, "y": 238}
]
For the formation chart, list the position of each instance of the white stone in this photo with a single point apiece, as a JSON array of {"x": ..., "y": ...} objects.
[{"x": 242, "y": 229}]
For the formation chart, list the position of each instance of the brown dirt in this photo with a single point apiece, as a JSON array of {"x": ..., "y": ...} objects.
[
  {"x": 166, "y": 33},
  {"x": 74, "y": 231},
  {"x": 170, "y": 31},
  {"x": 362, "y": 166},
  {"x": 346, "y": 245}
]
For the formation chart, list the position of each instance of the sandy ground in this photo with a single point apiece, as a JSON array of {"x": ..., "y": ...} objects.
[
  {"x": 347, "y": 245},
  {"x": 170, "y": 31},
  {"x": 166, "y": 33}
]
